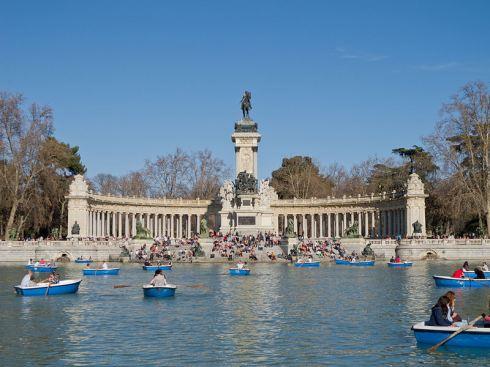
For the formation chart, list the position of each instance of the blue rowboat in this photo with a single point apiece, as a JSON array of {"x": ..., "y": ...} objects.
[
  {"x": 83, "y": 261},
  {"x": 41, "y": 268},
  {"x": 110, "y": 271},
  {"x": 475, "y": 337},
  {"x": 471, "y": 274},
  {"x": 404, "y": 264},
  {"x": 159, "y": 292},
  {"x": 43, "y": 289},
  {"x": 313, "y": 264},
  {"x": 157, "y": 267},
  {"x": 354, "y": 263},
  {"x": 442, "y": 281},
  {"x": 236, "y": 271}
]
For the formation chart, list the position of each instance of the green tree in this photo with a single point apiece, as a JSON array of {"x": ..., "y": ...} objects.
[{"x": 299, "y": 177}]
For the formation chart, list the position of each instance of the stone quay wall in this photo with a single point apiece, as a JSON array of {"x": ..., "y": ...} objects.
[
  {"x": 22, "y": 251},
  {"x": 446, "y": 249}
]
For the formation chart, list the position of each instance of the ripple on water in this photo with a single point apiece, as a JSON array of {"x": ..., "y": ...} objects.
[{"x": 279, "y": 315}]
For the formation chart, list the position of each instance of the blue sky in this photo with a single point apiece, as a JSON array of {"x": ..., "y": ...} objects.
[{"x": 337, "y": 80}]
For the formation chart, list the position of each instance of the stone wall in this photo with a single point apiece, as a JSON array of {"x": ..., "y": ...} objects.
[
  {"x": 455, "y": 249},
  {"x": 18, "y": 251}
]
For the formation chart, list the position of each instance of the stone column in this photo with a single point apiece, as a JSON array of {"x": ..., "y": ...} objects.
[
  {"x": 296, "y": 225},
  {"x": 305, "y": 226},
  {"x": 172, "y": 226},
  {"x": 133, "y": 225},
  {"x": 329, "y": 232},
  {"x": 366, "y": 224},
  {"x": 337, "y": 227},
  {"x": 322, "y": 232}
]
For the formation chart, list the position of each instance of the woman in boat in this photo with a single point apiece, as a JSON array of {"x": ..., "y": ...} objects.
[
  {"x": 479, "y": 273},
  {"x": 451, "y": 314},
  {"x": 438, "y": 316},
  {"x": 398, "y": 260},
  {"x": 159, "y": 279}
]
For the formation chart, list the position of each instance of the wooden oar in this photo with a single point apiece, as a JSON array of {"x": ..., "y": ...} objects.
[
  {"x": 460, "y": 330},
  {"x": 47, "y": 289},
  {"x": 121, "y": 286}
]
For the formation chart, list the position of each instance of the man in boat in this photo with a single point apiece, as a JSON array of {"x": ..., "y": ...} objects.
[
  {"x": 105, "y": 266},
  {"x": 159, "y": 279},
  {"x": 27, "y": 280}
]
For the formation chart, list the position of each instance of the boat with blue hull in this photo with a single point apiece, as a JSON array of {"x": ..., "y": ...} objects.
[
  {"x": 83, "y": 261},
  {"x": 443, "y": 281},
  {"x": 405, "y": 264},
  {"x": 471, "y": 274},
  {"x": 354, "y": 263},
  {"x": 110, "y": 271},
  {"x": 45, "y": 289},
  {"x": 474, "y": 337},
  {"x": 41, "y": 268},
  {"x": 159, "y": 292},
  {"x": 236, "y": 271},
  {"x": 157, "y": 267},
  {"x": 306, "y": 264}
]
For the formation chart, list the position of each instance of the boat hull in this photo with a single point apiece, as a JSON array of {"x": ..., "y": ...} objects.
[
  {"x": 63, "y": 287},
  {"x": 236, "y": 271},
  {"x": 157, "y": 267},
  {"x": 112, "y": 271},
  {"x": 159, "y": 292},
  {"x": 471, "y": 274},
  {"x": 472, "y": 338},
  {"x": 354, "y": 263},
  {"x": 84, "y": 261},
  {"x": 405, "y": 264},
  {"x": 41, "y": 269},
  {"x": 442, "y": 281},
  {"x": 314, "y": 264}
]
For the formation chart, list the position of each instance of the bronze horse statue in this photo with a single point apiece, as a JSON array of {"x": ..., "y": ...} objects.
[{"x": 246, "y": 104}]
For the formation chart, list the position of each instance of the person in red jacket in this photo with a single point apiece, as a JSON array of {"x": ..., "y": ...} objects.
[{"x": 460, "y": 272}]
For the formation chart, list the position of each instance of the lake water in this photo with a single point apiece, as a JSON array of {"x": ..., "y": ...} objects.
[{"x": 279, "y": 315}]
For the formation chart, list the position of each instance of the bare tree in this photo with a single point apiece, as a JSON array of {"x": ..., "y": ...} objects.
[
  {"x": 461, "y": 141},
  {"x": 206, "y": 173},
  {"x": 22, "y": 136}
]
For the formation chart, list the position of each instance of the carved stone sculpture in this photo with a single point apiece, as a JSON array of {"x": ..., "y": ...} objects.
[
  {"x": 75, "y": 229},
  {"x": 245, "y": 183}
]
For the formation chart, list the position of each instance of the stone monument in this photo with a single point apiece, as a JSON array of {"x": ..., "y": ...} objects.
[
  {"x": 415, "y": 196},
  {"x": 246, "y": 202},
  {"x": 77, "y": 208}
]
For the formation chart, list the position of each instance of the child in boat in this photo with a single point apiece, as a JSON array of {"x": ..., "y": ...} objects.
[
  {"x": 159, "y": 279},
  {"x": 439, "y": 312}
]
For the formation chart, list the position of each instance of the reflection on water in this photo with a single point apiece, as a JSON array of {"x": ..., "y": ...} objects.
[{"x": 279, "y": 315}]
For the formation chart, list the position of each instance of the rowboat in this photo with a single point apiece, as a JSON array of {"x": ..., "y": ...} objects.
[
  {"x": 306, "y": 264},
  {"x": 404, "y": 264},
  {"x": 41, "y": 268},
  {"x": 110, "y": 271},
  {"x": 474, "y": 337},
  {"x": 45, "y": 289},
  {"x": 83, "y": 261},
  {"x": 354, "y": 263},
  {"x": 157, "y": 267},
  {"x": 159, "y": 292},
  {"x": 442, "y": 281},
  {"x": 471, "y": 274},
  {"x": 236, "y": 271}
]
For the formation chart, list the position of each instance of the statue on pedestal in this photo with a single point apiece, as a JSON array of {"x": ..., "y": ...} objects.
[
  {"x": 203, "y": 228},
  {"x": 417, "y": 228},
  {"x": 290, "y": 228},
  {"x": 75, "y": 229},
  {"x": 245, "y": 183},
  {"x": 246, "y": 104}
]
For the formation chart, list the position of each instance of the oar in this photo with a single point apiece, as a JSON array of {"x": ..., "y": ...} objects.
[
  {"x": 47, "y": 289},
  {"x": 121, "y": 286},
  {"x": 460, "y": 330}
]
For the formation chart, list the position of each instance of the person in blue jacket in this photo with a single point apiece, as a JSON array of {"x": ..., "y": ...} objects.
[{"x": 438, "y": 316}]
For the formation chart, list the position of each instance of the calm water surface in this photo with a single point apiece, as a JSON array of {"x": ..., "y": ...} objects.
[{"x": 280, "y": 315}]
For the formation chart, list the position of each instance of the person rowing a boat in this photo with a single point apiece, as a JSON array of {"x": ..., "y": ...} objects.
[
  {"x": 159, "y": 279},
  {"x": 28, "y": 280},
  {"x": 52, "y": 279},
  {"x": 460, "y": 272}
]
